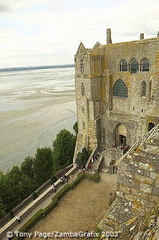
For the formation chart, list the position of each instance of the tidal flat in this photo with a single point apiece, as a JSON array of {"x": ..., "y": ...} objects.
[{"x": 34, "y": 106}]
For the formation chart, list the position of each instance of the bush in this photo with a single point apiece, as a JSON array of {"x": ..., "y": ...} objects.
[
  {"x": 62, "y": 192},
  {"x": 32, "y": 221},
  {"x": 95, "y": 177},
  {"x": 77, "y": 180},
  {"x": 50, "y": 207}
]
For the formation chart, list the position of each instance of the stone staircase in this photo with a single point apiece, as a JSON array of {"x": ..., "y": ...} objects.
[{"x": 138, "y": 142}]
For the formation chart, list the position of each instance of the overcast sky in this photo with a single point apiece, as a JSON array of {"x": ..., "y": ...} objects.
[{"x": 48, "y": 32}]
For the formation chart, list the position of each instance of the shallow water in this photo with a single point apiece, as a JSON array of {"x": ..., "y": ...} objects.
[{"x": 34, "y": 106}]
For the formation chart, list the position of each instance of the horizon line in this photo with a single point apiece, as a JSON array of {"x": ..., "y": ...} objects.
[{"x": 35, "y": 67}]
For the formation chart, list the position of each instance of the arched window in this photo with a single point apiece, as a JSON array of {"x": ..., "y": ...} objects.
[
  {"x": 82, "y": 90},
  {"x": 121, "y": 134},
  {"x": 133, "y": 65},
  {"x": 143, "y": 89},
  {"x": 120, "y": 89},
  {"x": 123, "y": 65},
  {"x": 144, "y": 66}
]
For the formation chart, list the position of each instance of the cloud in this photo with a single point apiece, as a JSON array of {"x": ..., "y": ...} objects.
[
  {"x": 56, "y": 27},
  {"x": 4, "y": 8}
]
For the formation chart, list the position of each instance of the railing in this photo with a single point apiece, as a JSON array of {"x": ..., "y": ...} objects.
[
  {"x": 138, "y": 142},
  {"x": 90, "y": 157}
]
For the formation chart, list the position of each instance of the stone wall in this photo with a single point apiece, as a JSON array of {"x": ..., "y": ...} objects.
[
  {"x": 97, "y": 70},
  {"x": 137, "y": 185}
]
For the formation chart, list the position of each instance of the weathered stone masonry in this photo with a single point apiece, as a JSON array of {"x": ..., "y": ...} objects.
[
  {"x": 116, "y": 93},
  {"x": 138, "y": 184}
]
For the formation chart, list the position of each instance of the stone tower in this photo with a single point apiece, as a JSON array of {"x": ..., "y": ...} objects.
[{"x": 117, "y": 94}]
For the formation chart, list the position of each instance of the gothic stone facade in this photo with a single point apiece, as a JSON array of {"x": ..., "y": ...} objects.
[{"x": 117, "y": 92}]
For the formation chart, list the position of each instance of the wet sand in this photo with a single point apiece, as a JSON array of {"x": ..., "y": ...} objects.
[{"x": 34, "y": 123}]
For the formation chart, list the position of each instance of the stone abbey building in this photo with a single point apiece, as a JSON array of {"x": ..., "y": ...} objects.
[{"x": 117, "y": 93}]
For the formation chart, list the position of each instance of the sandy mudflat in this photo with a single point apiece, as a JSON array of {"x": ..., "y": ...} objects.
[
  {"x": 32, "y": 114},
  {"x": 23, "y": 132}
]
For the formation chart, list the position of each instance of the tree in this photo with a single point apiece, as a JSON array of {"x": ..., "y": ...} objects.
[
  {"x": 75, "y": 128},
  {"x": 43, "y": 165},
  {"x": 27, "y": 167},
  {"x": 63, "y": 149},
  {"x": 82, "y": 158},
  {"x": 15, "y": 186},
  {"x": 2, "y": 208}
]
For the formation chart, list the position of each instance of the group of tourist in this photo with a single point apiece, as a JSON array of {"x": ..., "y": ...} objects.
[
  {"x": 63, "y": 180},
  {"x": 122, "y": 146}
]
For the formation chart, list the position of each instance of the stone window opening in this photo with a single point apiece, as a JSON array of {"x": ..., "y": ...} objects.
[
  {"x": 150, "y": 126},
  {"x": 143, "y": 89},
  {"x": 121, "y": 135},
  {"x": 120, "y": 89},
  {"x": 82, "y": 90},
  {"x": 133, "y": 66},
  {"x": 123, "y": 65},
  {"x": 144, "y": 65},
  {"x": 82, "y": 109},
  {"x": 82, "y": 66}
]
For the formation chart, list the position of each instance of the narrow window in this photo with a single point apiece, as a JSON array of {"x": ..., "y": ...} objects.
[
  {"x": 150, "y": 86},
  {"x": 133, "y": 65},
  {"x": 144, "y": 66},
  {"x": 120, "y": 89},
  {"x": 123, "y": 65},
  {"x": 82, "y": 90},
  {"x": 143, "y": 89},
  {"x": 82, "y": 66}
]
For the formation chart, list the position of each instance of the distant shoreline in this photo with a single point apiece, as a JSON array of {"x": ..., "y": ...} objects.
[{"x": 34, "y": 68}]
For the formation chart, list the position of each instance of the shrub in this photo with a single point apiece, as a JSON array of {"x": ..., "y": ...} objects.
[
  {"x": 62, "y": 192},
  {"x": 95, "y": 177},
  {"x": 32, "y": 221},
  {"x": 77, "y": 180},
  {"x": 50, "y": 207}
]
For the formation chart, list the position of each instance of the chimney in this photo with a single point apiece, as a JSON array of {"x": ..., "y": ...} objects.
[
  {"x": 109, "y": 40},
  {"x": 141, "y": 36},
  {"x": 158, "y": 34}
]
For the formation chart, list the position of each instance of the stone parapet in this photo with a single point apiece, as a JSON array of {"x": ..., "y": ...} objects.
[{"x": 137, "y": 184}]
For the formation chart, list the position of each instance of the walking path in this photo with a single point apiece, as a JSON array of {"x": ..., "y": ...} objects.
[{"x": 48, "y": 199}]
